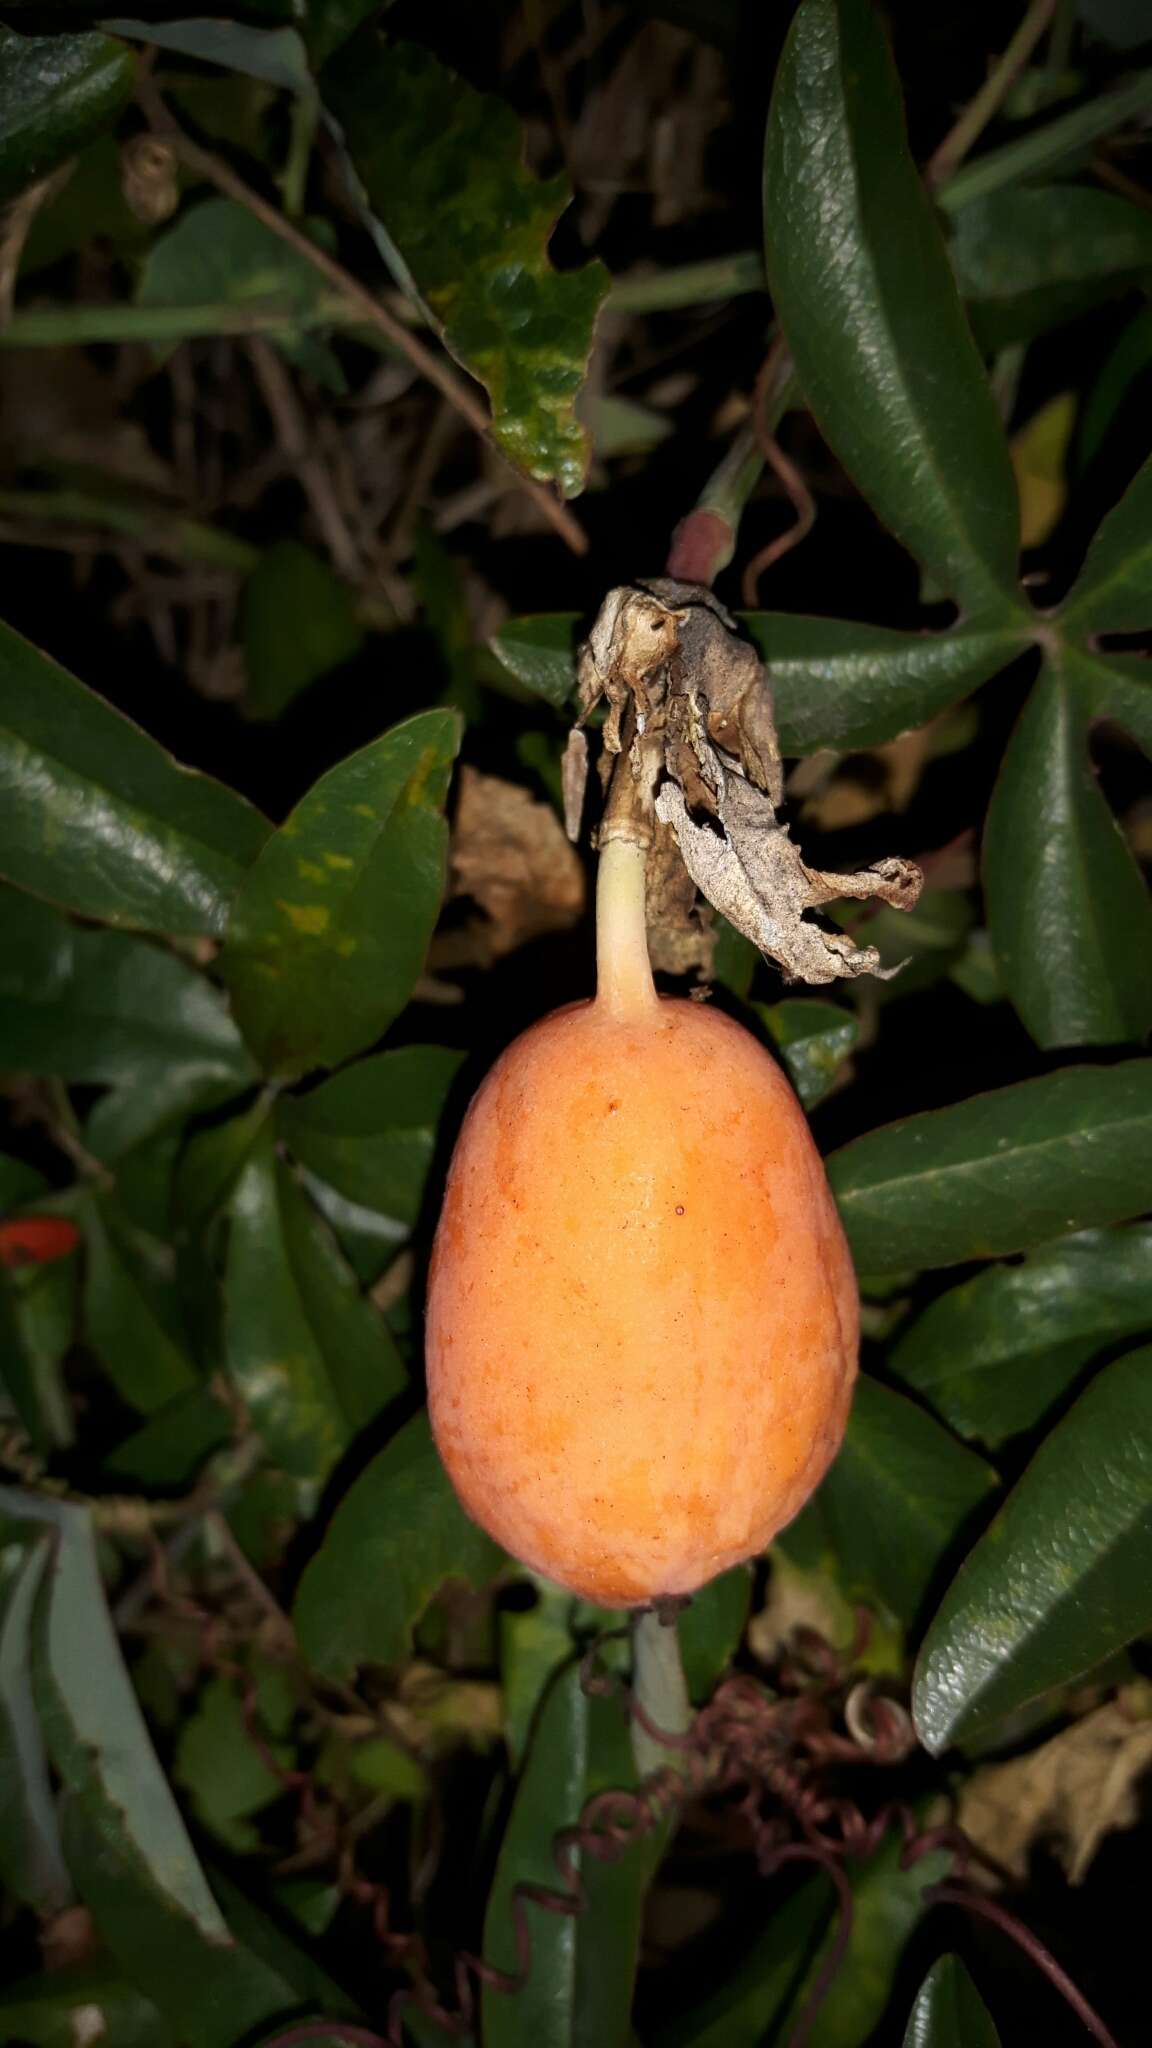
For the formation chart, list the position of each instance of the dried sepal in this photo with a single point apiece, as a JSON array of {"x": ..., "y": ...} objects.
[{"x": 689, "y": 706}]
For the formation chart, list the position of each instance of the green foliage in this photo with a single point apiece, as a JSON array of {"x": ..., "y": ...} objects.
[{"x": 234, "y": 1055}]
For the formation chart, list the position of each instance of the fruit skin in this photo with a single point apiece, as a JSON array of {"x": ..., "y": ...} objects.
[{"x": 642, "y": 1315}]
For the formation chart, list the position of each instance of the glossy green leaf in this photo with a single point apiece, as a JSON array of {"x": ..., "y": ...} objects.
[
  {"x": 130, "y": 1318},
  {"x": 329, "y": 932},
  {"x": 711, "y": 1629},
  {"x": 274, "y": 54},
  {"x": 1029, "y": 256},
  {"x": 1116, "y": 687},
  {"x": 949, "y": 2011},
  {"x": 50, "y": 2010},
  {"x": 57, "y": 93},
  {"x": 1063, "y": 1577},
  {"x": 993, "y": 1354},
  {"x": 32, "y": 1865},
  {"x": 579, "y": 1988},
  {"x": 298, "y": 621},
  {"x": 1069, "y": 912},
  {"x": 398, "y": 1534},
  {"x": 813, "y": 1038},
  {"x": 900, "y": 1495},
  {"x": 310, "y": 1357},
  {"x": 98, "y": 817},
  {"x": 102, "y": 1006},
  {"x": 443, "y": 170},
  {"x": 835, "y": 682},
  {"x": 999, "y": 1172},
  {"x": 866, "y": 298},
  {"x": 1113, "y": 593},
  {"x": 371, "y": 1130}
]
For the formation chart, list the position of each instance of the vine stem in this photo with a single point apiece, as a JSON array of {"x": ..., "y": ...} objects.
[
  {"x": 993, "y": 92},
  {"x": 660, "y": 1690}
]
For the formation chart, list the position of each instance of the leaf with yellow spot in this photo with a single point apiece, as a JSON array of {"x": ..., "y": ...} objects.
[
  {"x": 330, "y": 929},
  {"x": 1039, "y": 456}
]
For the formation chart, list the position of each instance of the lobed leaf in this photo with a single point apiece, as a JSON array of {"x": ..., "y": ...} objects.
[
  {"x": 1063, "y": 1576},
  {"x": 1069, "y": 913},
  {"x": 1000, "y": 1172},
  {"x": 993, "y": 1354},
  {"x": 329, "y": 932},
  {"x": 98, "y": 817},
  {"x": 442, "y": 166},
  {"x": 868, "y": 304},
  {"x": 398, "y": 1534}
]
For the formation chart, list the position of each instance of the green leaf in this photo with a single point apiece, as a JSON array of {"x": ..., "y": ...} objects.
[
  {"x": 837, "y": 683},
  {"x": 51, "y": 2010},
  {"x": 999, "y": 1172},
  {"x": 1117, "y": 687},
  {"x": 101, "y": 1006},
  {"x": 169, "y": 1449},
  {"x": 371, "y": 1131},
  {"x": 534, "y": 1643},
  {"x": 1030, "y": 256},
  {"x": 58, "y": 93},
  {"x": 1130, "y": 359},
  {"x": 887, "y": 1902},
  {"x": 1063, "y": 1577},
  {"x": 1113, "y": 593},
  {"x": 711, "y": 1628},
  {"x": 814, "y": 1039},
  {"x": 219, "y": 1765},
  {"x": 37, "y": 1327},
  {"x": 1056, "y": 145},
  {"x": 897, "y": 1499},
  {"x": 298, "y": 621},
  {"x": 329, "y": 932},
  {"x": 398, "y": 1534},
  {"x": 741, "y": 2010},
  {"x": 218, "y": 254},
  {"x": 31, "y": 1863},
  {"x": 579, "y": 1988},
  {"x": 310, "y": 1357},
  {"x": 866, "y": 298},
  {"x": 130, "y": 1326},
  {"x": 949, "y": 2011},
  {"x": 442, "y": 167},
  {"x": 95, "y": 815},
  {"x": 993, "y": 1354},
  {"x": 1069, "y": 913}
]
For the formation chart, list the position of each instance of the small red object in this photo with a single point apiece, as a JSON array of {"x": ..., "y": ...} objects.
[{"x": 36, "y": 1240}]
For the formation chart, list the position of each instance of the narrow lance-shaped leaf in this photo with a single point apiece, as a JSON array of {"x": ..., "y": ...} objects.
[
  {"x": 31, "y": 1863},
  {"x": 1113, "y": 593},
  {"x": 312, "y": 1360},
  {"x": 331, "y": 927},
  {"x": 98, "y": 817},
  {"x": 999, "y": 1172},
  {"x": 1032, "y": 255},
  {"x": 131, "y": 1317},
  {"x": 1068, "y": 910},
  {"x": 949, "y": 2011},
  {"x": 866, "y": 297},
  {"x": 370, "y": 1131},
  {"x": 398, "y": 1534},
  {"x": 59, "y": 92},
  {"x": 443, "y": 169},
  {"x": 1063, "y": 1577},
  {"x": 993, "y": 1354}
]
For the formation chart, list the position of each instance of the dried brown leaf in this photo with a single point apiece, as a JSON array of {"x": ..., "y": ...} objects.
[
  {"x": 1070, "y": 1793},
  {"x": 511, "y": 857}
]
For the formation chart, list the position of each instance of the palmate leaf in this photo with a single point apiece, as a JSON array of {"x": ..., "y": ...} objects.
[
  {"x": 867, "y": 301},
  {"x": 1068, "y": 912},
  {"x": 1063, "y": 1577},
  {"x": 1113, "y": 593},
  {"x": 835, "y": 682},
  {"x": 457, "y": 211}
]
